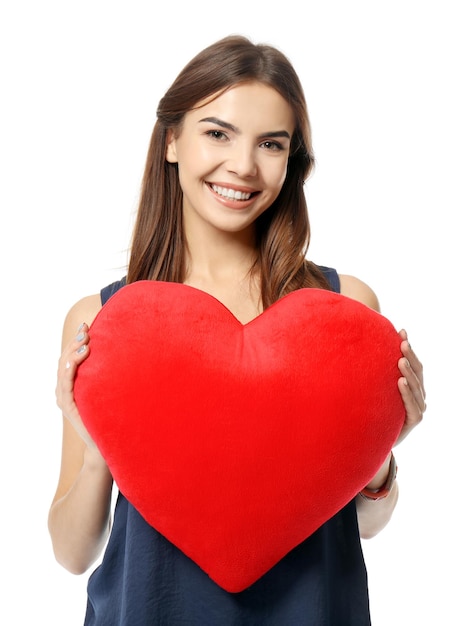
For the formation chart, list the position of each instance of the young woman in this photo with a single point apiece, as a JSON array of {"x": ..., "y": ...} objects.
[{"x": 222, "y": 209}]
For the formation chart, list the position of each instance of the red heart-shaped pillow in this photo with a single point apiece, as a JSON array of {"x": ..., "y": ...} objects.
[{"x": 236, "y": 442}]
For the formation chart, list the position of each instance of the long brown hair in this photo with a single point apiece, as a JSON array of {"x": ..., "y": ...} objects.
[{"x": 283, "y": 231}]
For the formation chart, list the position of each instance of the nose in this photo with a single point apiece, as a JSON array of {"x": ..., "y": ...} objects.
[{"x": 242, "y": 161}]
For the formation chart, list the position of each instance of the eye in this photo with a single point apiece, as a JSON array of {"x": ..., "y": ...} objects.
[
  {"x": 272, "y": 145},
  {"x": 218, "y": 135}
]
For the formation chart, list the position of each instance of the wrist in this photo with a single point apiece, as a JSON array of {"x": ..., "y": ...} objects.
[{"x": 376, "y": 489}]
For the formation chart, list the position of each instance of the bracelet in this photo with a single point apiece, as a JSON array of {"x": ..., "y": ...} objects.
[{"x": 382, "y": 492}]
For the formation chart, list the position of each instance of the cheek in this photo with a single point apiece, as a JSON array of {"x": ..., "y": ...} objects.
[
  {"x": 195, "y": 161},
  {"x": 276, "y": 175},
  {"x": 189, "y": 168}
]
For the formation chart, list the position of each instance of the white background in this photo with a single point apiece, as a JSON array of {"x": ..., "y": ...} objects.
[{"x": 385, "y": 83}]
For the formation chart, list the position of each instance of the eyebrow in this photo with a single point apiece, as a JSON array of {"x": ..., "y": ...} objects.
[{"x": 235, "y": 129}]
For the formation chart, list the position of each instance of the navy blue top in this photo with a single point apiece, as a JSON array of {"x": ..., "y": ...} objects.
[{"x": 144, "y": 580}]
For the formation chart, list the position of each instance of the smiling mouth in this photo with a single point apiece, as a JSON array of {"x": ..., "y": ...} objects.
[{"x": 231, "y": 194}]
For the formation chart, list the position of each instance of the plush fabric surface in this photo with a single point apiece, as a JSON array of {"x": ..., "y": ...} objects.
[{"x": 236, "y": 442}]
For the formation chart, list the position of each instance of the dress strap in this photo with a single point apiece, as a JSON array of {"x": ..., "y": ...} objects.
[
  {"x": 108, "y": 292},
  {"x": 332, "y": 277}
]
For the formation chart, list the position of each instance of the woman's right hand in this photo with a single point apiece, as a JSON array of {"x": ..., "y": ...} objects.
[{"x": 71, "y": 358}]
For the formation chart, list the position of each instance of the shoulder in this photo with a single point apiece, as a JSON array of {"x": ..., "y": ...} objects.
[
  {"x": 353, "y": 287},
  {"x": 86, "y": 309}
]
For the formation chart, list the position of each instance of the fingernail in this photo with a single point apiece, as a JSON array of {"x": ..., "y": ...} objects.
[
  {"x": 407, "y": 362},
  {"x": 80, "y": 327},
  {"x": 67, "y": 365},
  {"x": 80, "y": 337},
  {"x": 81, "y": 349}
]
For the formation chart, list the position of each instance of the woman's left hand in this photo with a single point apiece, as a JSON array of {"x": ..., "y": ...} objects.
[{"x": 411, "y": 387}]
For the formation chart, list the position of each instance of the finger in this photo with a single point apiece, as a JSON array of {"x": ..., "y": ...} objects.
[
  {"x": 70, "y": 361},
  {"x": 414, "y": 362},
  {"x": 412, "y": 384},
  {"x": 72, "y": 356},
  {"x": 414, "y": 414},
  {"x": 403, "y": 334},
  {"x": 79, "y": 345}
]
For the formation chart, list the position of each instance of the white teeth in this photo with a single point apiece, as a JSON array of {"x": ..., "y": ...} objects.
[{"x": 231, "y": 194}]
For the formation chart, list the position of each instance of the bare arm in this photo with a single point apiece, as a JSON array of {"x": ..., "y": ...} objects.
[
  {"x": 373, "y": 515},
  {"x": 79, "y": 516}
]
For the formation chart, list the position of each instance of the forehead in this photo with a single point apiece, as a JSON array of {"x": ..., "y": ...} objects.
[{"x": 247, "y": 105}]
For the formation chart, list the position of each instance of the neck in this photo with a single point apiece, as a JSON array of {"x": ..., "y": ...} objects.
[
  {"x": 220, "y": 263},
  {"x": 220, "y": 256}
]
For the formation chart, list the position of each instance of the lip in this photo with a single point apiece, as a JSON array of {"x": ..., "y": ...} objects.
[{"x": 233, "y": 203}]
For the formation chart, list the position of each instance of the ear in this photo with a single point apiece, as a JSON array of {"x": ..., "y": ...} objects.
[{"x": 171, "y": 150}]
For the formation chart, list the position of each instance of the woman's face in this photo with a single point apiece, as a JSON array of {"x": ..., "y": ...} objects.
[{"x": 232, "y": 154}]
